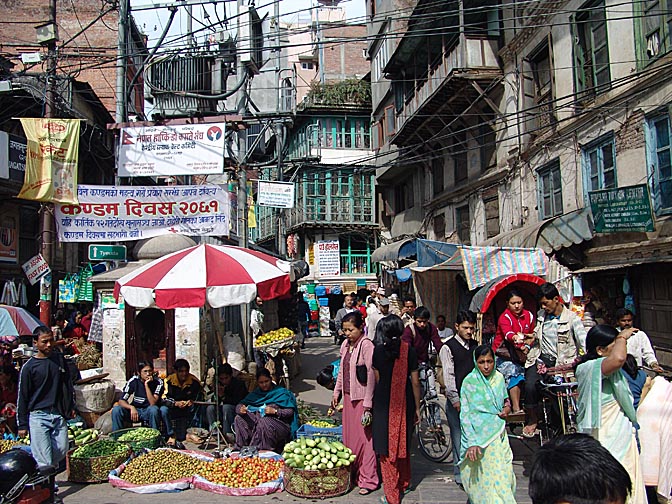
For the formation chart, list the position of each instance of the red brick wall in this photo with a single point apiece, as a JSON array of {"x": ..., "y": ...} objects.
[
  {"x": 90, "y": 57},
  {"x": 345, "y": 60},
  {"x": 631, "y": 134}
]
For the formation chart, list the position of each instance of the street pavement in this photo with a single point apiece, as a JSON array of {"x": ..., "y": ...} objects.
[{"x": 432, "y": 483}]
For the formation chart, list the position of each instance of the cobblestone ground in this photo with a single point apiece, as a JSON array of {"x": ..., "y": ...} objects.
[{"x": 432, "y": 483}]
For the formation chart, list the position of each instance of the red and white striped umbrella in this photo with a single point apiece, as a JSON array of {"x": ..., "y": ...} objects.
[{"x": 222, "y": 275}]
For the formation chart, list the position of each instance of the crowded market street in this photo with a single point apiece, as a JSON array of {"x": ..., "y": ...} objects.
[{"x": 432, "y": 483}]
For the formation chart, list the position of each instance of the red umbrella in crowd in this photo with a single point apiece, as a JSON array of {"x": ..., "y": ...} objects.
[{"x": 219, "y": 275}]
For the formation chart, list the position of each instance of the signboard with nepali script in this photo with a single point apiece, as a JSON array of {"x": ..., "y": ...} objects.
[
  {"x": 328, "y": 254},
  {"x": 622, "y": 209},
  {"x": 121, "y": 213},
  {"x": 190, "y": 149},
  {"x": 51, "y": 160}
]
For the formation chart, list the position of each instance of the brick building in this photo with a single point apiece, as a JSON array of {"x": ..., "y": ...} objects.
[{"x": 87, "y": 46}]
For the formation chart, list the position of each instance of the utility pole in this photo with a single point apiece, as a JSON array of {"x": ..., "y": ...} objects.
[
  {"x": 241, "y": 101},
  {"x": 280, "y": 126},
  {"x": 47, "y": 231},
  {"x": 122, "y": 39}
]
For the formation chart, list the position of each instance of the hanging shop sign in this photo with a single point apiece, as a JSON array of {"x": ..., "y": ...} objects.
[
  {"x": 51, "y": 160},
  {"x": 328, "y": 255},
  {"x": 120, "y": 213},
  {"x": 622, "y": 209},
  {"x": 9, "y": 236},
  {"x": 35, "y": 268},
  {"x": 275, "y": 194},
  {"x": 190, "y": 149}
]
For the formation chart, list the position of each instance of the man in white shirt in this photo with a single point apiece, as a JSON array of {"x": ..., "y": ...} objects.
[
  {"x": 639, "y": 345},
  {"x": 444, "y": 332},
  {"x": 382, "y": 310},
  {"x": 408, "y": 311}
]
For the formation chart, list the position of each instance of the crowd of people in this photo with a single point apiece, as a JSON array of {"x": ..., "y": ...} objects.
[{"x": 386, "y": 358}]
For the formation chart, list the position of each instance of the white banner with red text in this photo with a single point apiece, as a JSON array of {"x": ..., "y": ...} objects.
[
  {"x": 190, "y": 149},
  {"x": 121, "y": 213}
]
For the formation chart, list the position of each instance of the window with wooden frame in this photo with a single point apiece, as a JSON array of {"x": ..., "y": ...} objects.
[
  {"x": 539, "y": 88},
  {"x": 653, "y": 29},
  {"x": 463, "y": 224},
  {"x": 659, "y": 158},
  {"x": 549, "y": 188},
  {"x": 390, "y": 123},
  {"x": 491, "y": 206},
  {"x": 592, "y": 74},
  {"x": 599, "y": 162},
  {"x": 404, "y": 198}
]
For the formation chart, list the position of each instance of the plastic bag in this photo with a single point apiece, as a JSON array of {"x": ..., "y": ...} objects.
[{"x": 235, "y": 353}]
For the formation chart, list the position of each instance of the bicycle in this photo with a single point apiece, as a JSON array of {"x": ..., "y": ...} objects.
[
  {"x": 559, "y": 406},
  {"x": 432, "y": 431}
]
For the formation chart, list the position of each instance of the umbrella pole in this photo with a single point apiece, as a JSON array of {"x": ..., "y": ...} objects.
[
  {"x": 220, "y": 343},
  {"x": 247, "y": 333}
]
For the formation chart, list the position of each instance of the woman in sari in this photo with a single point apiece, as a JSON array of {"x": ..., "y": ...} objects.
[
  {"x": 515, "y": 324},
  {"x": 268, "y": 417},
  {"x": 396, "y": 405},
  {"x": 486, "y": 457},
  {"x": 606, "y": 409},
  {"x": 356, "y": 382}
]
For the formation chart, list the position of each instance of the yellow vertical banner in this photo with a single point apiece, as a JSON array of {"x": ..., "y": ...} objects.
[
  {"x": 251, "y": 211},
  {"x": 51, "y": 160}
]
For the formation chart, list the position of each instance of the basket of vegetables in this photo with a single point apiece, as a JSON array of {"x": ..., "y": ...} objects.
[
  {"x": 91, "y": 463},
  {"x": 317, "y": 468},
  {"x": 321, "y": 428},
  {"x": 138, "y": 438}
]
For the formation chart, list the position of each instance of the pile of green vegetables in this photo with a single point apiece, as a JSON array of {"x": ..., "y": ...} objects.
[
  {"x": 101, "y": 448},
  {"x": 139, "y": 434},
  {"x": 317, "y": 454}
]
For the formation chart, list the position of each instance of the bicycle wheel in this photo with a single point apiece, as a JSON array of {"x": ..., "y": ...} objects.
[{"x": 433, "y": 432}]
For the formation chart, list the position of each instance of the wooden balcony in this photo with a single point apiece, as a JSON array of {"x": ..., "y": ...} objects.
[{"x": 450, "y": 87}]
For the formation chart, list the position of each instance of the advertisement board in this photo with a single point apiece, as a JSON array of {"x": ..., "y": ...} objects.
[{"x": 328, "y": 257}]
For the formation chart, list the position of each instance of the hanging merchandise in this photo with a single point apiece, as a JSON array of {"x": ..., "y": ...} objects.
[
  {"x": 629, "y": 301},
  {"x": 96, "y": 329},
  {"x": 86, "y": 287},
  {"x": 9, "y": 295},
  {"x": 23, "y": 294},
  {"x": 67, "y": 289}
]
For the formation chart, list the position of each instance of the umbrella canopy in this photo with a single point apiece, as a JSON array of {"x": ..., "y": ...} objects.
[
  {"x": 15, "y": 321},
  {"x": 220, "y": 275},
  {"x": 486, "y": 294}
]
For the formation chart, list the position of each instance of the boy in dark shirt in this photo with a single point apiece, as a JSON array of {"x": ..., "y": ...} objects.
[
  {"x": 230, "y": 392},
  {"x": 46, "y": 399},
  {"x": 182, "y": 389},
  {"x": 146, "y": 391}
]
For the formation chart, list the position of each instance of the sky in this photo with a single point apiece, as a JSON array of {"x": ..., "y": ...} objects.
[{"x": 152, "y": 22}]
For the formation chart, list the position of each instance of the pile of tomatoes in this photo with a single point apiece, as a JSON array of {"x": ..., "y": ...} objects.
[{"x": 241, "y": 472}]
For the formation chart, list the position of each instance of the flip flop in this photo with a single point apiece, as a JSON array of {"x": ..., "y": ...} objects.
[
  {"x": 364, "y": 491},
  {"x": 529, "y": 434}
]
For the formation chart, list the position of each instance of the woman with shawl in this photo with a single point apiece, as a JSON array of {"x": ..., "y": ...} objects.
[
  {"x": 486, "y": 457},
  {"x": 606, "y": 409},
  {"x": 355, "y": 383},
  {"x": 268, "y": 417},
  {"x": 396, "y": 405}
]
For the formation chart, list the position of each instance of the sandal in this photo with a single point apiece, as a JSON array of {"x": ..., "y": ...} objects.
[
  {"x": 364, "y": 491},
  {"x": 530, "y": 435}
]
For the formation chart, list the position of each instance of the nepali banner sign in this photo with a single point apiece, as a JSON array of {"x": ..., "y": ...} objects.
[
  {"x": 51, "y": 160},
  {"x": 122, "y": 213},
  {"x": 191, "y": 149}
]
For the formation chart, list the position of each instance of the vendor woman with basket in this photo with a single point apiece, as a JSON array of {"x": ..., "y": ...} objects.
[{"x": 268, "y": 417}]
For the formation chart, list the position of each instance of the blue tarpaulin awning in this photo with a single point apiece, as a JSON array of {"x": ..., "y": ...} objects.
[
  {"x": 430, "y": 252},
  {"x": 402, "y": 249}
]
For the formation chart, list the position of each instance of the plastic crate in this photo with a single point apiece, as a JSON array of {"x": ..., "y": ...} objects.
[
  {"x": 323, "y": 301},
  {"x": 320, "y": 291},
  {"x": 330, "y": 433}
]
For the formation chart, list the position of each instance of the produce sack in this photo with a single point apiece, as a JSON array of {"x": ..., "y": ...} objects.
[
  {"x": 148, "y": 467},
  {"x": 265, "y": 488},
  {"x": 94, "y": 397},
  {"x": 235, "y": 353}
]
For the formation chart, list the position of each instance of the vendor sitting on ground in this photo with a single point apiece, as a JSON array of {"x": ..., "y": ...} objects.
[
  {"x": 230, "y": 392},
  {"x": 146, "y": 390},
  {"x": 268, "y": 417},
  {"x": 182, "y": 389}
]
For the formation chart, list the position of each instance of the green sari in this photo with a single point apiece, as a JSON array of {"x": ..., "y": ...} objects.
[
  {"x": 607, "y": 413},
  {"x": 490, "y": 479}
]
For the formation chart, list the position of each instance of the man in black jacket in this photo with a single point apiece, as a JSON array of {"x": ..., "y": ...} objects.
[
  {"x": 230, "y": 392},
  {"x": 46, "y": 399}
]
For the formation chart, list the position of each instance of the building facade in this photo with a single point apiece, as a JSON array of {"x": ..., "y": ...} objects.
[{"x": 496, "y": 120}]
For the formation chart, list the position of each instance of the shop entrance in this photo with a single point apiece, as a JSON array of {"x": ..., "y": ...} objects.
[{"x": 150, "y": 336}]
